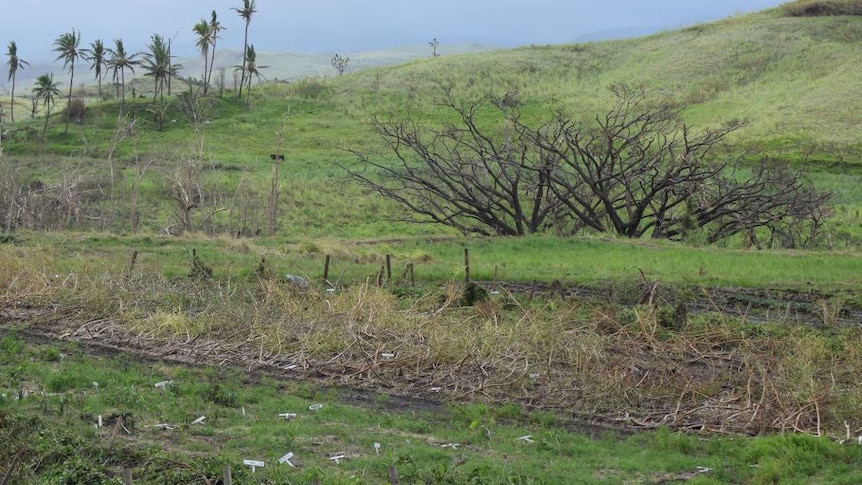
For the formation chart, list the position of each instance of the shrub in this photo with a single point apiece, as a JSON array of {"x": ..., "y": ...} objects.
[
  {"x": 823, "y": 8},
  {"x": 75, "y": 111}
]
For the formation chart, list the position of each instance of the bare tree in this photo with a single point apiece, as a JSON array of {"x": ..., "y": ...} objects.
[
  {"x": 339, "y": 63},
  {"x": 637, "y": 171},
  {"x": 461, "y": 175},
  {"x": 434, "y": 45},
  {"x": 641, "y": 170}
]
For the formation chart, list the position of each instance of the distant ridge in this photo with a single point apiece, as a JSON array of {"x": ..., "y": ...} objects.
[{"x": 281, "y": 65}]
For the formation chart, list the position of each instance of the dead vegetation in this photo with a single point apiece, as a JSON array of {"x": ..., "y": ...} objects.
[{"x": 642, "y": 366}]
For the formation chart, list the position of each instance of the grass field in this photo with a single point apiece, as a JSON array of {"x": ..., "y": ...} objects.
[
  {"x": 686, "y": 362},
  {"x": 52, "y": 398}
]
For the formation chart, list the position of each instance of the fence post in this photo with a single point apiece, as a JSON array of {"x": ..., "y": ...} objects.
[
  {"x": 412, "y": 279},
  {"x": 228, "y": 480},
  {"x": 393, "y": 476},
  {"x": 466, "y": 265},
  {"x": 127, "y": 476},
  {"x": 388, "y": 268},
  {"x": 326, "y": 270}
]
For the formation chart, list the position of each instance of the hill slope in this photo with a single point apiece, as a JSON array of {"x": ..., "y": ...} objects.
[{"x": 795, "y": 78}]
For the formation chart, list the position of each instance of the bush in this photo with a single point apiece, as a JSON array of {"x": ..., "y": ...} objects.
[
  {"x": 823, "y": 8},
  {"x": 75, "y": 111}
]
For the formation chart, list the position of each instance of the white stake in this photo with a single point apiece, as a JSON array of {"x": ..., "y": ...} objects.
[
  {"x": 254, "y": 464},
  {"x": 286, "y": 459}
]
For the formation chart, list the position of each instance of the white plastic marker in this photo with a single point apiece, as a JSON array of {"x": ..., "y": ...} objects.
[
  {"x": 199, "y": 420},
  {"x": 315, "y": 407},
  {"x": 377, "y": 448},
  {"x": 526, "y": 439},
  {"x": 100, "y": 420},
  {"x": 161, "y": 385},
  {"x": 337, "y": 458},
  {"x": 454, "y": 446},
  {"x": 387, "y": 355},
  {"x": 286, "y": 459},
  {"x": 287, "y": 416},
  {"x": 95, "y": 384},
  {"x": 254, "y": 464},
  {"x": 163, "y": 426}
]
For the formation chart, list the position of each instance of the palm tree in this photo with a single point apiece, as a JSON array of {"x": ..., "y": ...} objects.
[
  {"x": 45, "y": 90},
  {"x": 204, "y": 33},
  {"x": 248, "y": 9},
  {"x": 67, "y": 47},
  {"x": 215, "y": 28},
  {"x": 98, "y": 57},
  {"x": 249, "y": 69},
  {"x": 158, "y": 64},
  {"x": 119, "y": 60},
  {"x": 14, "y": 64}
]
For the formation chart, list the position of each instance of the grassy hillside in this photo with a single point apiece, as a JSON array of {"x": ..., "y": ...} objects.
[{"x": 793, "y": 77}]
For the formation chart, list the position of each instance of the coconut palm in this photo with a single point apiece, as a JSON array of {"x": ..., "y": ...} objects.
[
  {"x": 45, "y": 90},
  {"x": 215, "y": 28},
  {"x": 14, "y": 62},
  {"x": 203, "y": 42},
  {"x": 67, "y": 47},
  {"x": 157, "y": 63},
  {"x": 246, "y": 12},
  {"x": 119, "y": 60},
  {"x": 98, "y": 57},
  {"x": 249, "y": 69}
]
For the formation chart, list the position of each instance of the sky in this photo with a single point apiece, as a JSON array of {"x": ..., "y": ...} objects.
[{"x": 347, "y": 26}]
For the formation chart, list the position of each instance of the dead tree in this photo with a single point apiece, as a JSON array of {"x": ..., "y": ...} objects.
[
  {"x": 477, "y": 179},
  {"x": 638, "y": 171},
  {"x": 339, "y": 63},
  {"x": 642, "y": 171}
]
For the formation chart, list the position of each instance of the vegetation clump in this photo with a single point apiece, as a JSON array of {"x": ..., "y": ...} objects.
[{"x": 823, "y": 8}]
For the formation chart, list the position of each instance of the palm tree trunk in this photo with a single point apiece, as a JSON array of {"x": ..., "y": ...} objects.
[
  {"x": 212, "y": 61},
  {"x": 206, "y": 69},
  {"x": 244, "y": 52},
  {"x": 45, "y": 126},
  {"x": 69, "y": 101},
  {"x": 12, "y": 101}
]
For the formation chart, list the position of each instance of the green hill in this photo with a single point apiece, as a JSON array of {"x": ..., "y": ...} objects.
[{"x": 791, "y": 71}]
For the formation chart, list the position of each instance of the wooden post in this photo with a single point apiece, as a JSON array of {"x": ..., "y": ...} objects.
[
  {"x": 410, "y": 272},
  {"x": 316, "y": 481},
  {"x": 393, "y": 476},
  {"x": 228, "y": 480},
  {"x": 494, "y": 282},
  {"x": 466, "y": 265},
  {"x": 326, "y": 269},
  {"x": 388, "y": 268},
  {"x": 134, "y": 259},
  {"x": 127, "y": 476}
]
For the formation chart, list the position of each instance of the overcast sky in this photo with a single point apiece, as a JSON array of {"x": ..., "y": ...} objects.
[{"x": 346, "y": 26}]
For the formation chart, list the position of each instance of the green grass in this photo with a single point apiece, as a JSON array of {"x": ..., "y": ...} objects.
[
  {"x": 585, "y": 261},
  {"x": 247, "y": 426}
]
